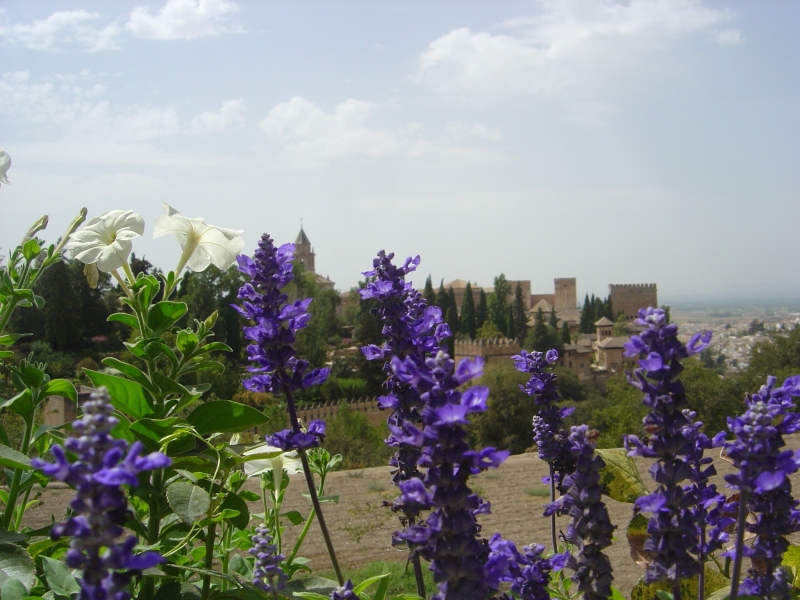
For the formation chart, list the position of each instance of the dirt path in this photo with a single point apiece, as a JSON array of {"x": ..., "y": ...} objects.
[{"x": 362, "y": 527}]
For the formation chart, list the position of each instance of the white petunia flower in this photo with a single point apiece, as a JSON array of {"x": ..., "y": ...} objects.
[
  {"x": 5, "y": 163},
  {"x": 106, "y": 241},
  {"x": 202, "y": 244},
  {"x": 285, "y": 461}
]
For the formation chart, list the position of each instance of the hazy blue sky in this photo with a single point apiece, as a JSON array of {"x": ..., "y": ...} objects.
[{"x": 612, "y": 142}]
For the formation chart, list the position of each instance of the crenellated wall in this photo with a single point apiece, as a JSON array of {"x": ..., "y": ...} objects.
[
  {"x": 327, "y": 410},
  {"x": 490, "y": 349}
]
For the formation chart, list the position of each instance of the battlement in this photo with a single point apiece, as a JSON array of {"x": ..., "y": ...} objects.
[
  {"x": 623, "y": 286},
  {"x": 327, "y": 410},
  {"x": 565, "y": 280},
  {"x": 629, "y": 298},
  {"x": 492, "y": 348}
]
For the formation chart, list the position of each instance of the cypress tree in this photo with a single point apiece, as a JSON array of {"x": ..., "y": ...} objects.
[
  {"x": 483, "y": 310},
  {"x": 512, "y": 331},
  {"x": 520, "y": 315},
  {"x": 469, "y": 325},
  {"x": 452, "y": 306},
  {"x": 498, "y": 302},
  {"x": 428, "y": 293},
  {"x": 553, "y": 319},
  {"x": 586, "y": 317},
  {"x": 566, "y": 338},
  {"x": 442, "y": 300}
]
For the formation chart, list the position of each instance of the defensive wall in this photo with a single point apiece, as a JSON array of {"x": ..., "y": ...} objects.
[
  {"x": 327, "y": 410},
  {"x": 491, "y": 350},
  {"x": 629, "y": 298}
]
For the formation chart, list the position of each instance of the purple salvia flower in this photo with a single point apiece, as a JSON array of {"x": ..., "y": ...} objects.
[
  {"x": 548, "y": 433},
  {"x": 449, "y": 536},
  {"x": 344, "y": 592},
  {"x": 414, "y": 331},
  {"x": 763, "y": 480},
  {"x": 673, "y": 441},
  {"x": 528, "y": 572},
  {"x": 276, "y": 367},
  {"x": 100, "y": 507},
  {"x": 267, "y": 572},
  {"x": 590, "y": 530}
]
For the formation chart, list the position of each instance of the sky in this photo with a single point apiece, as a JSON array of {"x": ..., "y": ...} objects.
[{"x": 615, "y": 142}]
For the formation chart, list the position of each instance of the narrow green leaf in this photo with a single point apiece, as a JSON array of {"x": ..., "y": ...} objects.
[
  {"x": 12, "y": 459},
  {"x": 8, "y": 339},
  {"x": 12, "y": 537},
  {"x": 134, "y": 373},
  {"x": 225, "y": 416},
  {"x": 189, "y": 501},
  {"x": 361, "y": 587},
  {"x": 4, "y": 436},
  {"x": 16, "y": 563},
  {"x": 151, "y": 432},
  {"x": 127, "y": 396}
]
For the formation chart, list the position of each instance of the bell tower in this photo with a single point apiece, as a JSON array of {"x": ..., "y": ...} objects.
[{"x": 303, "y": 250}]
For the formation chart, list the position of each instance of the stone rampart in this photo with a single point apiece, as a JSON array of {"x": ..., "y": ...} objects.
[{"x": 629, "y": 298}]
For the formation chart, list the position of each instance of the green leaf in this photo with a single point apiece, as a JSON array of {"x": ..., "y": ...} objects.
[
  {"x": 791, "y": 558},
  {"x": 9, "y": 338},
  {"x": 36, "y": 548},
  {"x": 32, "y": 375},
  {"x": 215, "y": 347},
  {"x": 151, "y": 431},
  {"x": 12, "y": 537},
  {"x": 12, "y": 459},
  {"x": 240, "y": 567},
  {"x": 243, "y": 594},
  {"x": 294, "y": 517},
  {"x": 620, "y": 478},
  {"x": 689, "y": 587},
  {"x": 124, "y": 318},
  {"x": 234, "y": 502},
  {"x": 16, "y": 563},
  {"x": 31, "y": 249},
  {"x": 59, "y": 577},
  {"x": 187, "y": 341},
  {"x": 6, "y": 353},
  {"x": 59, "y": 387},
  {"x": 663, "y": 595},
  {"x": 249, "y": 496},
  {"x": 169, "y": 386},
  {"x": 319, "y": 585},
  {"x": 164, "y": 314},
  {"x": 310, "y": 595},
  {"x": 224, "y": 416},
  {"x": 135, "y": 374},
  {"x": 174, "y": 590},
  {"x": 361, "y": 587},
  {"x": 127, "y": 396},
  {"x": 189, "y": 501},
  {"x": 13, "y": 590},
  {"x": 156, "y": 349},
  {"x": 616, "y": 594},
  {"x": 4, "y": 436},
  {"x": 21, "y": 404}
]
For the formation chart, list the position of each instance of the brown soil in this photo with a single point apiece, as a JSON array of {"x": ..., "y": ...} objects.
[{"x": 361, "y": 527}]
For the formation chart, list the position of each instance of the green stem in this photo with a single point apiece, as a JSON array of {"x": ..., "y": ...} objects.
[
  {"x": 13, "y": 490},
  {"x": 312, "y": 490},
  {"x": 737, "y": 562},
  {"x": 301, "y": 537},
  {"x": 154, "y": 519},
  {"x": 727, "y": 571},
  {"x": 209, "y": 560},
  {"x": 6, "y": 314},
  {"x": 553, "y": 536},
  {"x": 417, "y": 569},
  {"x": 21, "y": 512}
]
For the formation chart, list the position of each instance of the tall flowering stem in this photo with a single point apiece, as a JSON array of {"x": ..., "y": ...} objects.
[
  {"x": 449, "y": 537},
  {"x": 276, "y": 368},
  {"x": 267, "y": 572},
  {"x": 764, "y": 486},
  {"x": 103, "y": 464},
  {"x": 672, "y": 441},
  {"x": 590, "y": 530},
  {"x": 548, "y": 431},
  {"x": 413, "y": 331}
]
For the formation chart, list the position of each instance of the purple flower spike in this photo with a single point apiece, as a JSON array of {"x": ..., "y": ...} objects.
[
  {"x": 276, "y": 323},
  {"x": 267, "y": 572},
  {"x": 100, "y": 505},
  {"x": 345, "y": 592},
  {"x": 413, "y": 331},
  {"x": 685, "y": 505},
  {"x": 763, "y": 478},
  {"x": 548, "y": 433}
]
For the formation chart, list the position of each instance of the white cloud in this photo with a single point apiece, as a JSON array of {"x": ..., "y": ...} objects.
[
  {"x": 230, "y": 113},
  {"x": 310, "y": 134},
  {"x": 63, "y": 29},
  {"x": 459, "y": 131},
  {"x": 729, "y": 37},
  {"x": 552, "y": 52},
  {"x": 183, "y": 20}
]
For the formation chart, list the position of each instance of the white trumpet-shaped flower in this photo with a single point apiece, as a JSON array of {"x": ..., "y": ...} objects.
[
  {"x": 202, "y": 244},
  {"x": 5, "y": 163},
  {"x": 285, "y": 461},
  {"x": 106, "y": 241}
]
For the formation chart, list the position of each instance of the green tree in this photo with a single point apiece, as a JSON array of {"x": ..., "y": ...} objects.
[
  {"x": 542, "y": 336},
  {"x": 507, "y": 422},
  {"x": 553, "y": 318},
  {"x": 452, "y": 312},
  {"x": 468, "y": 324},
  {"x": 512, "y": 332},
  {"x": 443, "y": 300},
  {"x": 587, "y": 312},
  {"x": 488, "y": 331},
  {"x": 483, "y": 310},
  {"x": 619, "y": 326},
  {"x": 779, "y": 355},
  {"x": 520, "y": 314},
  {"x": 498, "y": 303},
  {"x": 428, "y": 293},
  {"x": 566, "y": 337},
  {"x": 361, "y": 444},
  {"x": 367, "y": 330}
]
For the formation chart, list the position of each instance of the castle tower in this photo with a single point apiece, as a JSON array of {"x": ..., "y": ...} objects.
[
  {"x": 630, "y": 298},
  {"x": 566, "y": 294},
  {"x": 303, "y": 251}
]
